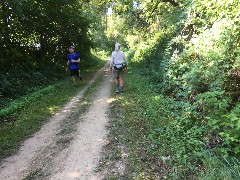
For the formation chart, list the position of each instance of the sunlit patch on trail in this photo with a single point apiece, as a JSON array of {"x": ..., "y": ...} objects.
[
  {"x": 74, "y": 174},
  {"x": 111, "y": 100}
]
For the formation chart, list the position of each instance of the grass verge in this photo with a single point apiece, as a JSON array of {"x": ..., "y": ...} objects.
[
  {"x": 158, "y": 139},
  {"x": 114, "y": 155},
  {"x": 31, "y": 111}
]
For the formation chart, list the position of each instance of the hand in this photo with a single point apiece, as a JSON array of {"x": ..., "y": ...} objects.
[{"x": 66, "y": 69}]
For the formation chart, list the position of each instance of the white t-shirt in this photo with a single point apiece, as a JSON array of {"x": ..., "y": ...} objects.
[{"x": 118, "y": 57}]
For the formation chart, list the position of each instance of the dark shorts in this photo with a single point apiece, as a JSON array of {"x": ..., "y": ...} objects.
[
  {"x": 118, "y": 74},
  {"x": 74, "y": 72}
]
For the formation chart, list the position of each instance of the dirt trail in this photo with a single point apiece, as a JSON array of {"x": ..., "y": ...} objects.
[{"x": 41, "y": 155}]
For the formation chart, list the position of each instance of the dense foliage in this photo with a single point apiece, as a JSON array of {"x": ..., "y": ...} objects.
[
  {"x": 162, "y": 139},
  {"x": 34, "y": 38},
  {"x": 200, "y": 66},
  {"x": 189, "y": 52}
]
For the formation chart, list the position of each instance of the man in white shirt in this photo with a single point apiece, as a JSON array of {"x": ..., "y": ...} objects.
[{"x": 118, "y": 64}]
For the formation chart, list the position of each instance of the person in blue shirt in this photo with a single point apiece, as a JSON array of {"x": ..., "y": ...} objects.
[{"x": 73, "y": 62}]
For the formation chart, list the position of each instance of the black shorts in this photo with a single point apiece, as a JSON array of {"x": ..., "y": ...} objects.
[{"x": 74, "y": 72}]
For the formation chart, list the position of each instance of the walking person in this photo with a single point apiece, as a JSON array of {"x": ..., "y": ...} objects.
[
  {"x": 73, "y": 63},
  {"x": 118, "y": 64}
]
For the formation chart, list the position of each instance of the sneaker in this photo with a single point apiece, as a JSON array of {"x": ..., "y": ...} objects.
[
  {"x": 117, "y": 90},
  {"x": 122, "y": 91},
  {"x": 75, "y": 85}
]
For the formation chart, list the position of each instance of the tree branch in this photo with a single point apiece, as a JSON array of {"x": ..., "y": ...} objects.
[
  {"x": 155, "y": 7},
  {"x": 172, "y": 2}
]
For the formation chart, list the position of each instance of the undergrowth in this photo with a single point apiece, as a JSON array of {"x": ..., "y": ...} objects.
[{"x": 163, "y": 137}]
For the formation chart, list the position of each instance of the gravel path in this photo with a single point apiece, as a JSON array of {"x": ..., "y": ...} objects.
[{"x": 41, "y": 156}]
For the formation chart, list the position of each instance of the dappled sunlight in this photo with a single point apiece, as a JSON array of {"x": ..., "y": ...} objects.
[
  {"x": 78, "y": 175},
  {"x": 53, "y": 109},
  {"x": 119, "y": 97},
  {"x": 67, "y": 110},
  {"x": 71, "y": 108},
  {"x": 126, "y": 103},
  {"x": 106, "y": 70},
  {"x": 101, "y": 101},
  {"x": 106, "y": 100},
  {"x": 102, "y": 140},
  {"x": 73, "y": 174},
  {"x": 157, "y": 97},
  {"x": 111, "y": 100},
  {"x": 84, "y": 103}
]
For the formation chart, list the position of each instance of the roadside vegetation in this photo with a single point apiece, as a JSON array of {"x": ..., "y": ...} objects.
[
  {"x": 181, "y": 107},
  {"x": 161, "y": 139}
]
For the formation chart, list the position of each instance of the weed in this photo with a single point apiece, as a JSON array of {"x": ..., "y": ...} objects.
[
  {"x": 66, "y": 130},
  {"x": 64, "y": 142},
  {"x": 220, "y": 168},
  {"x": 34, "y": 175}
]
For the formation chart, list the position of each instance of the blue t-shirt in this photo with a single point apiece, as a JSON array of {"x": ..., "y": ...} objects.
[{"x": 73, "y": 65}]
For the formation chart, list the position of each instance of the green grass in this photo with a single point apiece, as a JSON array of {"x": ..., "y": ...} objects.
[
  {"x": 37, "y": 174},
  {"x": 31, "y": 111},
  {"x": 130, "y": 126},
  {"x": 152, "y": 129},
  {"x": 220, "y": 168}
]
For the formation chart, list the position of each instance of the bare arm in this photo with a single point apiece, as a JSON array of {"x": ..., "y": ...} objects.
[
  {"x": 76, "y": 61},
  {"x": 111, "y": 62}
]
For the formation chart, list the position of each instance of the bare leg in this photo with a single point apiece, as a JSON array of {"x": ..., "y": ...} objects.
[
  {"x": 73, "y": 79},
  {"x": 121, "y": 83},
  {"x": 117, "y": 84},
  {"x": 117, "y": 81}
]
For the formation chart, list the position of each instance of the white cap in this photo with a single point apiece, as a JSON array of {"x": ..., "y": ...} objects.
[{"x": 117, "y": 46}]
